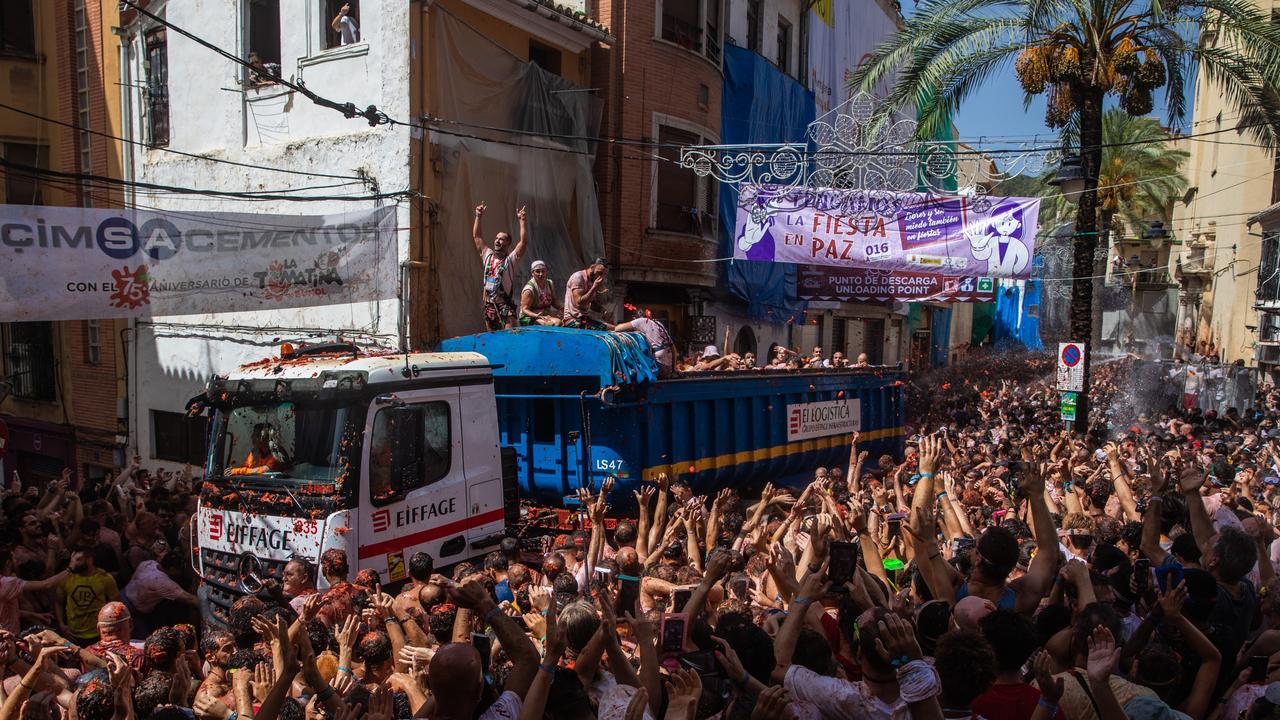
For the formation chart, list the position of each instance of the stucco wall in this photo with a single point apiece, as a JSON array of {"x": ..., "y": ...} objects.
[{"x": 172, "y": 357}]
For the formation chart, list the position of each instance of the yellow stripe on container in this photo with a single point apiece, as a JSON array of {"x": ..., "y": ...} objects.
[{"x": 769, "y": 453}]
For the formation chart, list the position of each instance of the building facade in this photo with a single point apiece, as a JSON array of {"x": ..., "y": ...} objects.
[
  {"x": 61, "y": 383},
  {"x": 1232, "y": 178},
  {"x": 446, "y": 71}
]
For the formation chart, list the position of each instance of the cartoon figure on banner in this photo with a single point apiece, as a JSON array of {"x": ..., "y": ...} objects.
[
  {"x": 998, "y": 240},
  {"x": 752, "y": 233}
]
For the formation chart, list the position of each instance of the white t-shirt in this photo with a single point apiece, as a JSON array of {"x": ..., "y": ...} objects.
[
  {"x": 659, "y": 340},
  {"x": 348, "y": 30}
]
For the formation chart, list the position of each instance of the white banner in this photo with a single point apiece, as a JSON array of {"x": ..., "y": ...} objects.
[
  {"x": 841, "y": 36},
  {"x": 821, "y": 419},
  {"x": 64, "y": 263}
]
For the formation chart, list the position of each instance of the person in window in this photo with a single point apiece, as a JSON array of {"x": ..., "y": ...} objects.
[
  {"x": 345, "y": 25},
  {"x": 261, "y": 459}
]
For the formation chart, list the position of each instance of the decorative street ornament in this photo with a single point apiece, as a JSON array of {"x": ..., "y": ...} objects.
[{"x": 853, "y": 162}]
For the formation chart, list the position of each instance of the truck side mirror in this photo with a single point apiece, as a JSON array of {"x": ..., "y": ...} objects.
[{"x": 406, "y": 447}]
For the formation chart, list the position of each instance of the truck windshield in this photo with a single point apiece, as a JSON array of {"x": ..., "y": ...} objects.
[{"x": 281, "y": 441}]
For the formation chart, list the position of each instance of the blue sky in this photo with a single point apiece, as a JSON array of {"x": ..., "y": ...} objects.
[{"x": 996, "y": 110}]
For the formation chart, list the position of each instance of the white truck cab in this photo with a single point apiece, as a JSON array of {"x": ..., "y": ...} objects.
[{"x": 380, "y": 456}]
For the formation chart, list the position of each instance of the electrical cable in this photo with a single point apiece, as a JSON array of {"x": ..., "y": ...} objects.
[
  {"x": 179, "y": 152},
  {"x": 41, "y": 172}
]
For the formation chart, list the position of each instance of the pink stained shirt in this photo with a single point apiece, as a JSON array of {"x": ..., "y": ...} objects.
[{"x": 149, "y": 586}]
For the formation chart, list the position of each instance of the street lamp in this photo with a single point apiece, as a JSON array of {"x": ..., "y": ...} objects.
[
  {"x": 1070, "y": 178},
  {"x": 1155, "y": 233}
]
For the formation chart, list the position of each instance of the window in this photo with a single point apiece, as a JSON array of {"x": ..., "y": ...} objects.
[
  {"x": 24, "y": 188},
  {"x": 31, "y": 362},
  {"x": 347, "y": 30},
  {"x": 263, "y": 36},
  {"x": 157, "y": 94},
  {"x": 17, "y": 27},
  {"x": 713, "y": 30},
  {"x": 178, "y": 438},
  {"x": 755, "y": 20},
  {"x": 82, "y": 99},
  {"x": 1269, "y": 270},
  {"x": 93, "y": 341},
  {"x": 685, "y": 202},
  {"x": 784, "y": 45},
  {"x": 544, "y": 56},
  {"x": 693, "y": 25},
  {"x": 428, "y": 459}
]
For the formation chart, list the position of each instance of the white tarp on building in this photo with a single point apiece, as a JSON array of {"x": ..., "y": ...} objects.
[
  {"x": 841, "y": 36},
  {"x": 65, "y": 263}
]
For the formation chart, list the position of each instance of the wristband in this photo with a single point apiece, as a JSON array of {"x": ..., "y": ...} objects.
[
  {"x": 941, "y": 495},
  {"x": 899, "y": 661},
  {"x": 801, "y": 600},
  {"x": 629, "y": 578},
  {"x": 489, "y": 615},
  {"x": 924, "y": 475},
  {"x": 1053, "y": 709},
  {"x": 391, "y": 619},
  {"x": 345, "y": 669},
  {"x": 233, "y": 715},
  {"x": 548, "y": 669}
]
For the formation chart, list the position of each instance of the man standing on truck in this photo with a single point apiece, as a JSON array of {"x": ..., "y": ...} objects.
[
  {"x": 499, "y": 271},
  {"x": 584, "y": 297},
  {"x": 660, "y": 342}
]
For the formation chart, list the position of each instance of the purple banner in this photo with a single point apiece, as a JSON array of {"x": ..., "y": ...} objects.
[
  {"x": 940, "y": 236},
  {"x": 816, "y": 282}
]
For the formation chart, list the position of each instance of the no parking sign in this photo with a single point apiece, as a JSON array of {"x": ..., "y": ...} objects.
[{"x": 1071, "y": 367}]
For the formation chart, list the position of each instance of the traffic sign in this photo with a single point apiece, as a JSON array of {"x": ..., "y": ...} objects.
[
  {"x": 1067, "y": 408},
  {"x": 1071, "y": 367}
]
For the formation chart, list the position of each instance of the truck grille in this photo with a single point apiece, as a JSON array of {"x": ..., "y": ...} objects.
[{"x": 222, "y": 576}]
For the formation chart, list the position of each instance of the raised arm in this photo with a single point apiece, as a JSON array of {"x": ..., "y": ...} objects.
[
  {"x": 1039, "y": 578},
  {"x": 1151, "y": 531},
  {"x": 524, "y": 656},
  {"x": 476, "y": 233},
  {"x": 518, "y": 252},
  {"x": 1190, "y": 480}
]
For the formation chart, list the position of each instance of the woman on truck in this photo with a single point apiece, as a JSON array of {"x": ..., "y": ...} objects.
[{"x": 538, "y": 303}]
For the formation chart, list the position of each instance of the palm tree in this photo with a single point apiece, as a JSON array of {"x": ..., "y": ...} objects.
[
  {"x": 1139, "y": 179},
  {"x": 1080, "y": 52}
]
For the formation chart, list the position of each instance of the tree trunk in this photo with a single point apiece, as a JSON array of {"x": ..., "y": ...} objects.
[
  {"x": 1101, "y": 255},
  {"x": 1085, "y": 241}
]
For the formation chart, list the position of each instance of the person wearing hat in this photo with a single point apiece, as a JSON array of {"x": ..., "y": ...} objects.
[
  {"x": 711, "y": 359},
  {"x": 499, "y": 271},
  {"x": 584, "y": 296},
  {"x": 538, "y": 304}
]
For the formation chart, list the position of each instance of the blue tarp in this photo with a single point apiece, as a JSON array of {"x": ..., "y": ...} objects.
[
  {"x": 610, "y": 358},
  {"x": 760, "y": 104},
  {"x": 1017, "y": 321}
]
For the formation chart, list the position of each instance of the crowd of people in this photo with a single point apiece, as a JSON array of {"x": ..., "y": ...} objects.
[{"x": 1002, "y": 568}]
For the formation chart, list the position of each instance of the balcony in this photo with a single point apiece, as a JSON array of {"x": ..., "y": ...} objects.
[{"x": 1157, "y": 278}]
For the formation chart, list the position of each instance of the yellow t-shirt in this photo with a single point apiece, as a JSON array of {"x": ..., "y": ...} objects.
[{"x": 82, "y": 597}]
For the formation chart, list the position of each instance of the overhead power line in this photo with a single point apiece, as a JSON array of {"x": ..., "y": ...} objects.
[
  {"x": 267, "y": 195},
  {"x": 195, "y": 156}
]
